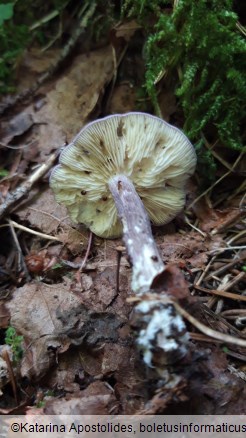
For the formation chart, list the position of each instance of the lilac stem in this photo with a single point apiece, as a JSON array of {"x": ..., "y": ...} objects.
[{"x": 137, "y": 234}]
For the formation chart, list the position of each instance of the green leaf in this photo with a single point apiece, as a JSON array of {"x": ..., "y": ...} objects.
[
  {"x": 6, "y": 12},
  {"x": 3, "y": 172},
  {"x": 57, "y": 266}
]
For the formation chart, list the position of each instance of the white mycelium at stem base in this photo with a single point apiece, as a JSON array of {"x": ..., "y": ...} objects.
[{"x": 162, "y": 337}]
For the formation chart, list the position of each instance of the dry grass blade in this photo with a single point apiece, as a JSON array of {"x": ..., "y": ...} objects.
[{"x": 36, "y": 233}]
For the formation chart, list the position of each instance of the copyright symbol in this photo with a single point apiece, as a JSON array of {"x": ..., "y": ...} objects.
[{"x": 15, "y": 427}]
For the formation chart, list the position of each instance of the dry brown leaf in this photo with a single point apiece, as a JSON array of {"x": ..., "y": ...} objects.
[
  {"x": 115, "y": 356},
  {"x": 215, "y": 219},
  {"x": 44, "y": 214},
  {"x": 73, "y": 98},
  {"x": 165, "y": 396},
  {"x": 18, "y": 125},
  {"x": 191, "y": 247},
  {"x": 97, "y": 399},
  {"x": 173, "y": 283},
  {"x": 176, "y": 247},
  {"x": 33, "y": 63},
  {"x": 33, "y": 311},
  {"x": 123, "y": 99},
  {"x": 91, "y": 405},
  {"x": 68, "y": 374},
  {"x": 213, "y": 389},
  {"x": 66, "y": 110}
]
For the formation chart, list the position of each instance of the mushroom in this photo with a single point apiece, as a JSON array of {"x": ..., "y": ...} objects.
[{"x": 119, "y": 173}]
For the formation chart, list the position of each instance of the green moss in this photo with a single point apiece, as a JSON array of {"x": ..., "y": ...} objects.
[
  {"x": 198, "y": 43},
  {"x": 15, "y": 34},
  {"x": 15, "y": 343},
  {"x": 13, "y": 38}
]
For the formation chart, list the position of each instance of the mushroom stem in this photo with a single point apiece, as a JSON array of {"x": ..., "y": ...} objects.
[{"x": 137, "y": 234}]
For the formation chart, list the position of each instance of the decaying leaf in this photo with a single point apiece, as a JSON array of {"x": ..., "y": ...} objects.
[
  {"x": 192, "y": 248},
  {"x": 16, "y": 127},
  {"x": 33, "y": 315},
  {"x": 43, "y": 214},
  {"x": 97, "y": 399},
  {"x": 73, "y": 98},
  {"x": 50, "y": 318}
]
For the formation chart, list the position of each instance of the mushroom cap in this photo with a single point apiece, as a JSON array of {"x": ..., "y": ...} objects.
[{"x": 157, "y": 157}]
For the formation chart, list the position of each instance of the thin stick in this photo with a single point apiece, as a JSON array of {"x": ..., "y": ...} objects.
[
  {"x": 226, "y": 267},
  {"x": 21, "y": 191},
  {"x": 237, "y": 216},
  {"x": 226, "y": 248},
  {"x": 218, "y": 181},
  {"x": 202, "y": 338},
  {"x": 21, "y": 258},
  {"x": 87, "y": 252},
  {"x": 222, "y": 293},
  {"x": 5, "y": 356},
  {"x": 236, "y": 237},
  {"x": 205, "y": 271},
  {"x": 194, "y": 227}
]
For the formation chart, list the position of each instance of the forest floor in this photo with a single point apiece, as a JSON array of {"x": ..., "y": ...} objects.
[{"x": 77, "y": 352}]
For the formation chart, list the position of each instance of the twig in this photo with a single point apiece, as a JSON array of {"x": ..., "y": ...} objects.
[
  {"x": 242, "y": 207},
  {"x": 205, "y": 271},
  {"x": 222, "y": 293},
  {"x": 87, "y": 253},
  {"x": 22, "y": 191},
  {"x": 226, "y": 267},
  {"x": 207, "y": 330},
  {"x": 238, "y": 190},
  {"x": 214, "y": 153},
  {"x": 22, "y": 263},
  {"x": 233, "y": 313},
  {"x": 237, "y": 216},
  {"x": 36, "y": 233},
  {"x": 219, "y": 251},
  {"x": 5, "y": 356},
  {"x": 241, "y": 28},
  {"x": 218, "y": 181},
  {"x": 199, "y": 337},
  {"x": 235, "y": 371},
  {"x": 236, "y": 237},
  {"x": 194, "y": 227}
]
